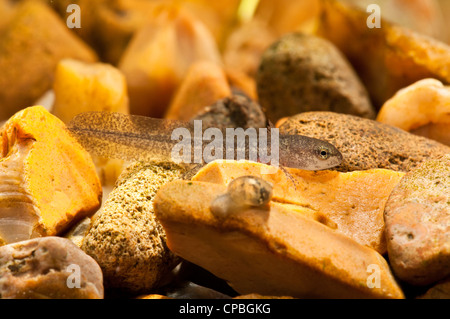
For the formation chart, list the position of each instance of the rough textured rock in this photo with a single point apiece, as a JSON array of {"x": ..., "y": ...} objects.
[
  {"x": 48, "y": 181},
  {"x": 302, "y": 73},
  {"x": 32, "y": 44},
  {"x": 125, "y": 238},
  {"x": 48, "y": 268},
  {"x": 272, "y": 250},
  {"x": 234, "y": 111},
  {"x": 365, "y": 144},
  {"x": 417, "y": 217}
]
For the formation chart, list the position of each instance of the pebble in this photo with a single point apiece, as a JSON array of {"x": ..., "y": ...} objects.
[
  {"x": 422, "y": 108},
  {"x": 275, "y": 252},
  {"x": 153, "y": 75},
  {"x": 349, "y": 203},
  {"x": 204, "y": 84},
  {"x": 238, "y": 110},
  {"x": 125, "y": 238},
  {"x": 89, "y": 87},
  {"x": 302, "y": 73},
  {"x": 365, "y": 144},
  {"x": 48, "y": 180},
  {"x": 32, "y": 43},
  {"x": 417, "y": 217},
  {"x": 386, "y": 59},
  {"x": 48, "y": 268}
]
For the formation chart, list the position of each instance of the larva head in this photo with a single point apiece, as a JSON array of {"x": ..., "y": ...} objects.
[{"x": 308, "y": 153}]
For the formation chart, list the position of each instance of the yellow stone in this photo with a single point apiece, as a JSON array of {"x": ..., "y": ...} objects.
[
  {"x": 48, "y": 180},
  {"x": 159, "y": 56},
  {"x": 271, "y": 251},
  {"x": 422, "y": 108},
  {"x": 388, "y": 58},
  {"x": 86, "y": 87},
  {"x": 204, "y": 84},
  {"x": 353, "y": 202},
  {"x": 31, "y": 45}
]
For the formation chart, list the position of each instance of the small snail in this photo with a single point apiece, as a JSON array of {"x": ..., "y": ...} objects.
[{"x": 243, "y": 193}]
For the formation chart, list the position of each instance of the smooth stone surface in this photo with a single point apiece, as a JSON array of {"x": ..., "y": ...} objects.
[
  {"x": 47, "y": 268},
  {"x": 422, "y": 108},
  {"x": 31, "y": 45},
  {"x": 417, "y": 217},
  {"x": 48, "y": 180},
  {"x": 365, "y": 144},
  {"x": 273, "y": 251},
  {"x": 303, "y": 73},
  {"x": 349, "y": 203},
  {"x": 386, "y": 59}
]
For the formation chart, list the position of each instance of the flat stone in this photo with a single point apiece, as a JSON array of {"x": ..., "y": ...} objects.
[
  {"x": 417, "y": 217},
  {"x": 303, "y": 73},
  {"x": 365, "y": 144},
  {"x": 271, "y": 250},
  {"x": 125, "y": 237},
  {"x": 48, "y": 268},
  {"x": 349, "y": 203}
]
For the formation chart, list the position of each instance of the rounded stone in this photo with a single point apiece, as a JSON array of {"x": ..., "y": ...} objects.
[
  {"x": 48, "y": 268},
  {"x": 365, "y": 144},
  {"x": 302, "y": 73},
  {"x": 126, "y": 239},
  {"x": 417, "y": 217}
]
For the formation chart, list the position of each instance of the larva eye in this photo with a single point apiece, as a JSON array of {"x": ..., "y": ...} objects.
[{"x": 323, "y": 153}]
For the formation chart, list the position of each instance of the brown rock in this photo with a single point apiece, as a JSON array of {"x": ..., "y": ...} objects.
[
  {"x": 365, "y": 144},
  {"x": 154, "y": 74},
  {"x": 417, "y": 217},
  {"x": 125, "y": 238},
  {"x": 358, "y": 198},
  {"x": 440, "y": 291},
  {"x": 234, "y": 111},
  {"x": 422, "y": 108},
  {"x": 48, "y": 180},
  {"x": 204, "y": 84},
  {"x": 302, "y": 73},
  {"x": 271, "y": 250},
  {"x": 32, "y": 44},
  {"x": 387, "y": 59},
  {"x": 48, "y": 268}
]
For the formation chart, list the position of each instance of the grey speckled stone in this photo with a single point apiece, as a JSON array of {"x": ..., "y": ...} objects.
[
  {"x": 47, "y": 268},
  {"x": 365, "y": 144},
  {"x": 303, "y": 73},
  {"x": 125, "y": 238},
  {"x": 237, "y": 110},
  {"x": 417, "y": 217}
]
